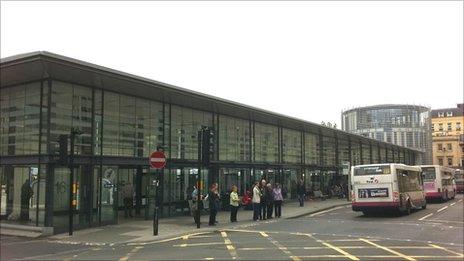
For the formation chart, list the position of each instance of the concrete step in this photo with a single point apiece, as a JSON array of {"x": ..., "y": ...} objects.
[{"x": 19, "y": 233}]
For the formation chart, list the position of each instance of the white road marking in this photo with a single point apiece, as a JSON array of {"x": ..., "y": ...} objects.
[
  {"x": 325, "y": 211},
  {"x": 452, "y": 204},
  {"x": 441, "y": 209}
]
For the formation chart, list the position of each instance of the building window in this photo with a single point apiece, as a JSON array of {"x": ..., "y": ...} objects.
[
  {"x": 449, "y": 114},
  {"x": 440, "y": 146},
  {"x": 440, "y": 126},
  {"x": 449, "y": 126},
  {"x": 441, "y": 114},
  {"x": 432, "y": 127},
  {"x": 450, "y": 161},
  {"x": 440, "y": 161},
  {"x": 449, "y": 146},
  {"x": 458, "y": 126}
]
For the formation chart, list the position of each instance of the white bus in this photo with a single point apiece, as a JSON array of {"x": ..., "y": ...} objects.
[
  {"x": 379, "y": 187},
  {"x": 439, "y": 182}
]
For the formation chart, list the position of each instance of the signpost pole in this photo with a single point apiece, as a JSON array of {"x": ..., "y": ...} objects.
[
  {"x": 155, "y": 209},
  {"x": 197, "y": 212},
  {"x": 157, "y": 162}
]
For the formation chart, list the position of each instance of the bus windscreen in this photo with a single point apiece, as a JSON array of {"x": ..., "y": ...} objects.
[
  {"x": 372, "y": 170},
  {"x": 429, "y": 174}
]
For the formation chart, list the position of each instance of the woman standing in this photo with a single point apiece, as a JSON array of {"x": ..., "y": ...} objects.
[
  {"x": 269, "y": 200},
  {"x": 233, "y": 204},
  {"x": 256, "y": 201},
  {"x": 213, "y": 203},
  {"x": 277, "y": 192}
]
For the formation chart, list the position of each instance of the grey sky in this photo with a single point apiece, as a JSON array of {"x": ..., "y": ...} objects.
[{"x": 305, "y": 59}]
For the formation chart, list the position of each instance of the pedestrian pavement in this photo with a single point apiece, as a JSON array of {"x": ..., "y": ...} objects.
[{"x": 139, "y": 231}]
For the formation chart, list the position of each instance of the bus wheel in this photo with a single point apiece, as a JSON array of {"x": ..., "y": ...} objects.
[
  {"x": 366, "y": 213},
  {"x": 424, "y": 206}
]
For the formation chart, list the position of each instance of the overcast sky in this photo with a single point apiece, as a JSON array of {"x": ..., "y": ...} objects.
[{"x": 309, "y": 60}]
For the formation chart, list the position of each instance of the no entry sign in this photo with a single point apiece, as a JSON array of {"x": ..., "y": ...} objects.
[{"x": 157, "y": 160}]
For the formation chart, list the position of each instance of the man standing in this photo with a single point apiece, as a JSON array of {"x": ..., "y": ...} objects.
[
  {"x": 128, "y": 194},
  {"x": 300, "y": 189}
]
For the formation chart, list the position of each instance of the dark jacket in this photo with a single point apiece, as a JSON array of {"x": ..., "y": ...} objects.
[
  {"x": 300, "y": 189},
  {"x": 213, "y": 199},
  {"x": 264, "y": 195},
  {"x": 269, "y": 196}
]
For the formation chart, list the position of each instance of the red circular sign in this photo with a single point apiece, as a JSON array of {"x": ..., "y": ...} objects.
[{"x": 157, "y": 160}]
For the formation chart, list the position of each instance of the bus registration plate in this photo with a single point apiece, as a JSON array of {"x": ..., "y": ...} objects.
[{"x": 373, "y": 193}]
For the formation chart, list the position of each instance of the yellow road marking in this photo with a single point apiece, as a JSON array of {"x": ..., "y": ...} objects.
[
  {"x": 281, "y": 247},
  {"x": 447, "y": 250},
  {"x": 229, "y": 246},
  {"x": 339, "y": 250},
  {"x": 388, "y": 250}
]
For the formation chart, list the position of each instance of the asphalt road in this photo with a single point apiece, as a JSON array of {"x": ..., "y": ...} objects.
[{"x": 435, "y": 233}]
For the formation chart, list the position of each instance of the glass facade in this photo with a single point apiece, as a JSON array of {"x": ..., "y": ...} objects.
[
  {"x": 120, "y": 130},
  {"x": 405, "y": 125},
  {"x": 266, "y": 143}
]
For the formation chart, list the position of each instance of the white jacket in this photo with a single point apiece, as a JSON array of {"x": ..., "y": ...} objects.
[{"x": 256, "y": 195}]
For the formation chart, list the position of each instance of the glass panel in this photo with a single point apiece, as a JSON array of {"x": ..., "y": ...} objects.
[
  {"x": 98, "y": 122},
  {"x": 126, "y": 126},
  {"x": 234, "y": 139},
  {"x": 328, "y": 152},
  {"x": 38, "y": 177},
  {"x": 311, "y": 149},
  {"x": 290, "y": 181},
  {"x": 109, "y": 198},
  {"x": 266, "y": 142},
  {"x": 61, "y": 199},
  {"x": 110, "y": 124},
  {"x": 366, "y": 154},
  {"x": 355, "y": 153},
  {"x": 71, "y": 108},
  {"x": 185, "y": 124},
  {"x": 291, "y": 146}
]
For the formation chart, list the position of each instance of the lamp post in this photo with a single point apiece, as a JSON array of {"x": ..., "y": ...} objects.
[{"x": 74, "y": 133}]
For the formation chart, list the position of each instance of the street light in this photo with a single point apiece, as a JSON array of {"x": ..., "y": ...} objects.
[{"x": 74, "y": 133}]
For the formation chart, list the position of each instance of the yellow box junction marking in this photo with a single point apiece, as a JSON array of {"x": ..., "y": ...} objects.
[
  {"x": 388, "y": 250},
  {"x": 229, "y": 246},
  {"x": 447, "y": 250},
  {"x": 339, "y": 250}
]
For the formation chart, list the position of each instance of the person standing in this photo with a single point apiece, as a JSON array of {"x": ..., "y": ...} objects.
[
  {"x": 234, "y": 200},
  {"x": 263, "y": 200},
  {"x": 26, "y": 194},
  {"x": 256, "y": 201},
  {"x": 128, "y": 199},
  {"x": 269, "y": 200},
  {"x": 196, "y": 205},
  {"x": 213, "y": 198},
  {"x": 277, "y": 192},
  {"x": 300, "y": 189}
]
